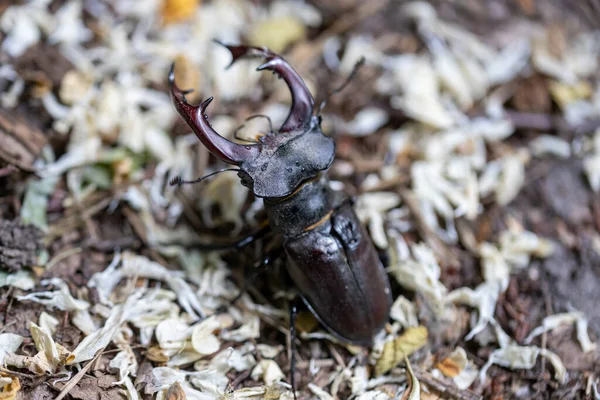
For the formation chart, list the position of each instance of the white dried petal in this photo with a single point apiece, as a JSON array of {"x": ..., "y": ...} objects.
[
  {"x": 320, "y": 393},
  {"x": 51, "y": 354},
  {"x": 421, "y": 11},
  {"x": 203, "y": 339},
  {"x": 268, "y": 371},
  {"x": 85, "y": 153},
  {"x": 359, "y": 46},
  {"x": 591, "y": 166},
  {"x": 226, "y": 192},
  {"x": 107, "y": 280},
  {"x": 451, "y": 76},
  {"x": 172, "y": 333},
  {"x": 9, "y": 343},
  {"x": 475, "y": 76},
  {"x": 21, "y": 30},
  {"x": 184, "y": 357},
  {"x": 70, "y": 29},
  {"x": 550, "y": 145},
  {"x": 420, "y": 272},
  {"x": 483, "y": 298},
  {"x": 48, "y": 322},
  {"x": 109, "y": 105},
  {"x": 84, "y": 322},
  {"x": 359, "y": 381},
  {"x": 404, "y": 312},
  {"x": 509, "y": 62},
  {"x": 125, "y": 363},
  {"x": 495, "y": 267},
  {"x": 367, "y": 121},
  {"x": 60, "y": 298},
  {"x": 421, "y": 98},
  {"x": 139, "y": 266},
  {"x": 87, "y": 348},
  {"x": 546, "y": 63},
  {"x": 373, "y": 395},
  {"x": 554, "y": 321},
  {"x": 371, "y": 208},
  {"x": 467, "y": 376},
  {"x": 21, "y": 279},
  {"x": 582, "y": 336},
  {"x": 511, "y": 179},
  {"x": 267, "y": 351},
  {"x": 308, "y": 14},
  {"x": 249, "y": 330},
  {"x": 523, "y": 357}
]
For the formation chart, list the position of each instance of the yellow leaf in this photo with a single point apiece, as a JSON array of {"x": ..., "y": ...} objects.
[
  {"x": 9, "y": 391},
  {"x": 277, "y": 33},
  {"x": 306, "y": 322},
  {"x": 174, "y": 11},
  {"x": 453, "y": 365},
  {"x": 564, "y": 94},
  {"x": 187, "y": 76},
  {"x": 157, "y": 354},
  {"x": 396, "y": 350}
]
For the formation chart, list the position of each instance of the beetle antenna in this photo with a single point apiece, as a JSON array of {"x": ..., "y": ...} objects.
[
  {"x": 357, "y": 66},
  {"x": 235, "y": 133},
  {"x": 177, "y": 181}
]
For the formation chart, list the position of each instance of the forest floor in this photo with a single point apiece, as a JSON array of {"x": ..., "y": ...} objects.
[{"x": 470, "y": 141}]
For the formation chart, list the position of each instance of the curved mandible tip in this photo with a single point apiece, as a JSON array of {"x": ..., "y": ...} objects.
[
  {"x": 302, "y": 100},
  {"x": 225, "y": 150}
]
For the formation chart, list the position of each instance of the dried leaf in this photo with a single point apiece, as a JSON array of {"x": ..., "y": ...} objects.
[
  {"x": 174, "y": 11},
  {"x": 554, "y": 321},
  {"x": 277, "y": 33},
  {"x": 397, "y": 349},
  {"x": 524, "y": 357},
  {"x": 10, "y": 386},
  {"x": 414, "y": 391},
  {"x": 175, "y": 392}
]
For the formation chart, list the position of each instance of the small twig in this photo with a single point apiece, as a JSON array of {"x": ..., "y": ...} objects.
[
  {"x": 63, "y": 255},
  {"x": 8, "y": 170},
  {"x": 322, "y": 363},
  {"x": 448, "y": 391},
  {"x": 336, "y": 355},
  {"x": 75, "y": 380},
  {"x": 241, "y": 377}
]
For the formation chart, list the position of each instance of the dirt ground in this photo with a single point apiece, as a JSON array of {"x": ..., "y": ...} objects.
[{"x": 556, "y": 202}]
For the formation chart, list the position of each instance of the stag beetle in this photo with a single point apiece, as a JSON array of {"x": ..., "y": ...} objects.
[{"x": 330, "y": 257}]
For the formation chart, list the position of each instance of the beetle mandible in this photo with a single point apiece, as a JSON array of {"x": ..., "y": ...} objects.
[{"x": 330, "y": 256}]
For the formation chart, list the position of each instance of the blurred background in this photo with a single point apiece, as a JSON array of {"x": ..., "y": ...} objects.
[{"x": 469, "y": 140}]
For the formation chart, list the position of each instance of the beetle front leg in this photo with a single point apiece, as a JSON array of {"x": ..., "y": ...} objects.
[{"x": 292, "y": 345}]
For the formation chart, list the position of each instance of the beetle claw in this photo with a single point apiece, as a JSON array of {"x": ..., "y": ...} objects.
[{"x": 302, "y": 100}]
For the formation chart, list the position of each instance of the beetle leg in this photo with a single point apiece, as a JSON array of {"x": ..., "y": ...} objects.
[
  {"x": 302, "y": 100},
  {"x": 229, "y": 152},
  {"x": 293, "y": 315},
  {"x": 258, "y": 268}
]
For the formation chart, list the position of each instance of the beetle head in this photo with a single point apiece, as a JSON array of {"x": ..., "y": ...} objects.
[{"x": 281, "y": 161}]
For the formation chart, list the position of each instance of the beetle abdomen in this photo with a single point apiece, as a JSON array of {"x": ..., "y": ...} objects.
[{"x": 342, "y": 280}]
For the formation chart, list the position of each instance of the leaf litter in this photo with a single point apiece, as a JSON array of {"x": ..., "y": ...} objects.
[{"x": 457, "y": 143}]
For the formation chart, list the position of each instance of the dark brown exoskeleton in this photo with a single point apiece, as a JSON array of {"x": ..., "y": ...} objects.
[{"x": 330, "y": 257}]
